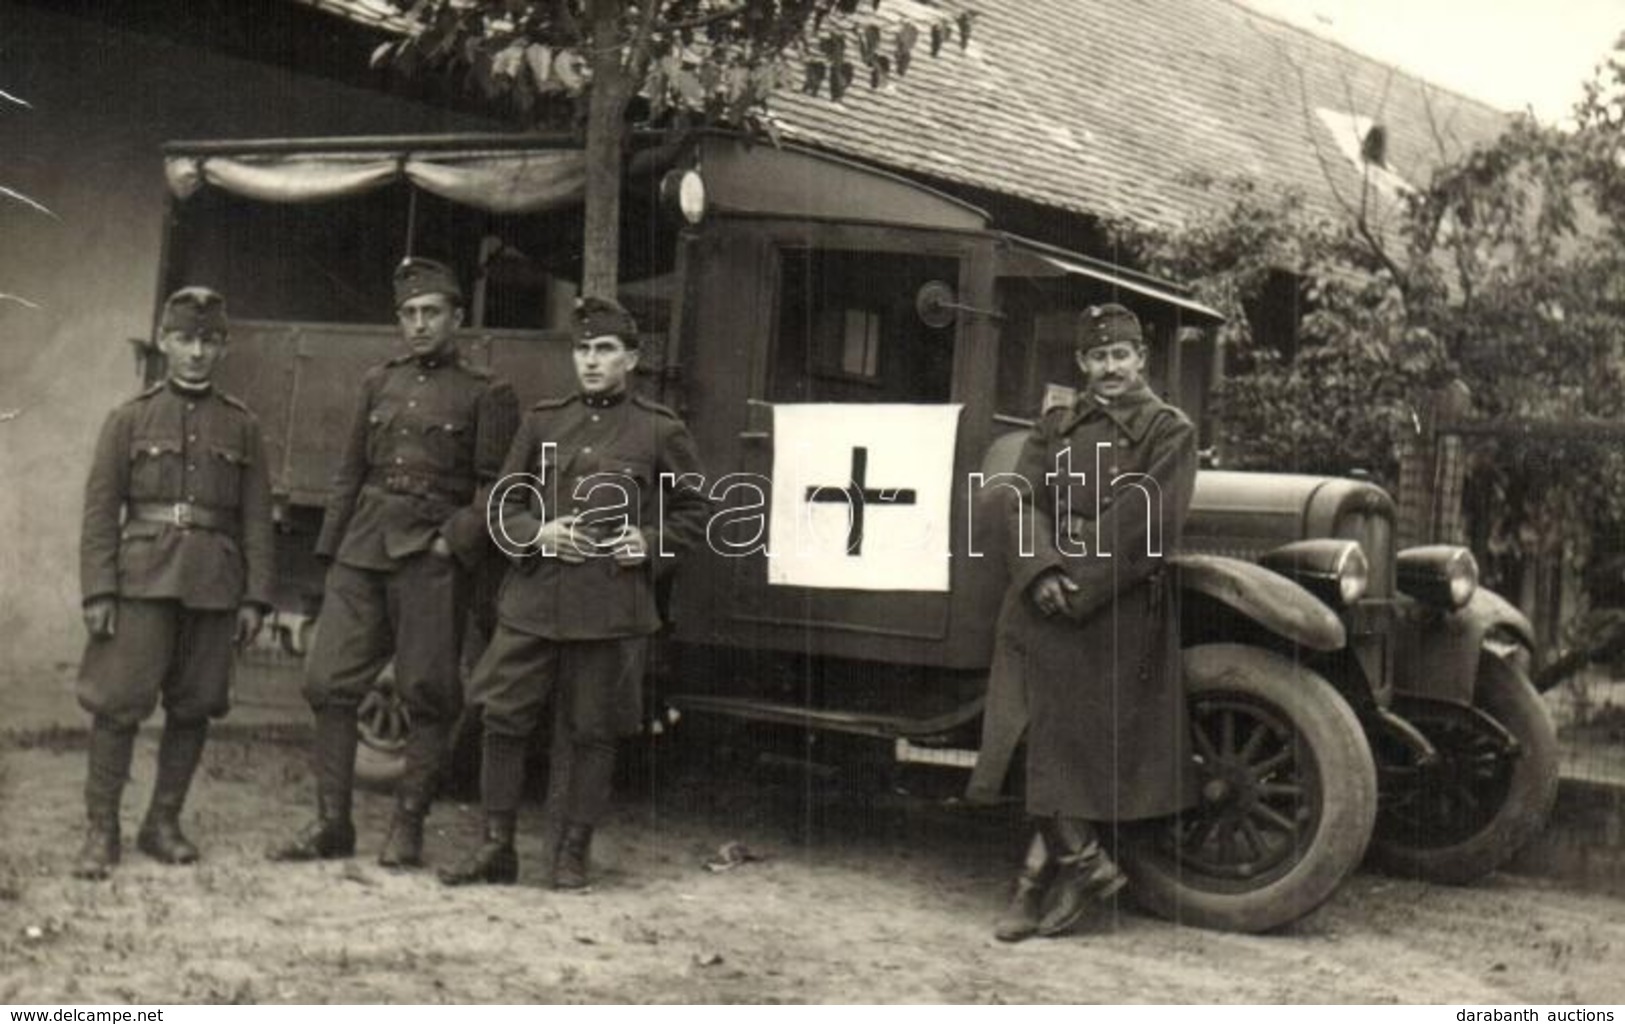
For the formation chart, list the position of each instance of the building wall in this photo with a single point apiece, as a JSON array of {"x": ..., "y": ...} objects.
[{"x": 87, "y": 148}]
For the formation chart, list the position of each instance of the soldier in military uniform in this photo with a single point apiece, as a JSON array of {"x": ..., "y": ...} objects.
[
  {"x": 176, "y": 563},
  {"x": 404, "y": 525},
  {"x": 1087, "y": 652},
  {"x": 618, "y": 482}
]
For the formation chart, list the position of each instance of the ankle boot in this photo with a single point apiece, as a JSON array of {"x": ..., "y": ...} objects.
[
  {"x": 425, "y": 750},
  {"x": 111, "y": 748},
  {"x": 179, "y": 752},
  {"x": 403, "y": 847},
  {"x": 332, "y": 834},
  {"x": 1020, "y": 919},
  {"x": 570, "y": 865},
  {"x": 1085, "y": 878},
  {"x": 329, "y": 837},
  {"x": 496, "y": 862}
]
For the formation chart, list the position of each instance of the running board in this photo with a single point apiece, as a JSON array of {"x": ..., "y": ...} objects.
[{"x": 857, "y": 723}]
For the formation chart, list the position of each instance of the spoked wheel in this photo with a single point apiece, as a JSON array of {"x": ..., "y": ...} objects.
[
  {"x": 1487, "y": 793},
  {"x": 1286, "y": 797},
  {"x": 383, "y": 723}
]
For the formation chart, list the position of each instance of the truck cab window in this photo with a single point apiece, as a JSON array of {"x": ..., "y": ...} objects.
[{"x": 846, "y": 329}]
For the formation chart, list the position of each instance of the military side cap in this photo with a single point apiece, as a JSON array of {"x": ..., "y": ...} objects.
[
  {"x": 1109, "y": 324},
  {"x": 595, "y": 318},
  {"x": 194, "y": 310},
  {"x": 416, "y": 277}
]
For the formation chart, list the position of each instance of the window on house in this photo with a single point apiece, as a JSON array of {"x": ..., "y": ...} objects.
[{"x": 1364, "y": 143}]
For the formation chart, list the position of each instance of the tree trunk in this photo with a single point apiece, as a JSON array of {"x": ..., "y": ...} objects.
[{"x": 606, "y": 117}]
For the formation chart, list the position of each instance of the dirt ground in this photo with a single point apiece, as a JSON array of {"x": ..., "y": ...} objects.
[{"x": 859, "y": 896}]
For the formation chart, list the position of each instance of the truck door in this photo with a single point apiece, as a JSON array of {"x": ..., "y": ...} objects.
[{"x": 789, "y": 314}]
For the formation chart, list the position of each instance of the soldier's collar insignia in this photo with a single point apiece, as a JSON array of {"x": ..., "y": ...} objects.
[{"x": 603, "y": 401}]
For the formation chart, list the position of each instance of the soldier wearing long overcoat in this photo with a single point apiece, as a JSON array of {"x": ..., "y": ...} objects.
[
  {"x": 176, "y": 564},
  {"x": 1087, "y": 658}
]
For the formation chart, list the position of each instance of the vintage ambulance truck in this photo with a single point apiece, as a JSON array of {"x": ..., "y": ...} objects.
[{"x": 826, "y": 327}]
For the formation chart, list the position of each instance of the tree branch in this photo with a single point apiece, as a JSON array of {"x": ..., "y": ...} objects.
[
  {"x": 637, "y": 51},
  {"x": 1362, "y": 216}
]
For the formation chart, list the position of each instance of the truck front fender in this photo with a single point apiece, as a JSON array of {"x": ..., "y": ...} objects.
[
  {"x": 1437, "y": 651},
  {"x": 1488, "y": 611},
  {"x": 1266, "y": 598}
]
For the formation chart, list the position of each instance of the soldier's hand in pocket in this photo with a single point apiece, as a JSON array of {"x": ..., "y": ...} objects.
[
  {"x": 101, "y": 617},
  {"x": 249, "y": 619}
]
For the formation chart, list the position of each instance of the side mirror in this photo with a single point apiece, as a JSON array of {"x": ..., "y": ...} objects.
[{"x": 936, "y": 305}]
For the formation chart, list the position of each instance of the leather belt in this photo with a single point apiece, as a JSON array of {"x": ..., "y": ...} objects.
[
  {"x": 183, "y": 514},
  {"x": 418, "y": 485}
]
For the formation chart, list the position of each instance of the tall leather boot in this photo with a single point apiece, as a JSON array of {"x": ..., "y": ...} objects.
[
  {"x": 111, "y": 748},
  {"x": 502, "y": 782},
  {"x": 425, "y": 750},
  {"x": 179, "y": 752},
  {"x": 591, "y": 776},
  {"x": 332, "y": 834},
  {"x": 1085, "y": 878},
  {"x": 1020, "y": 919}
]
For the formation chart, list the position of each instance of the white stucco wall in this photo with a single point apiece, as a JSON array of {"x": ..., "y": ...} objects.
[{"x": 87, "y": 148}]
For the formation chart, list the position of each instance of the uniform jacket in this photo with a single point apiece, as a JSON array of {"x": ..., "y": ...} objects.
[
  {"x": 592, "y": 456},
  {"x": 424, "y": 446},
  {"x": 1098, "y": 691},
  {"x": 167, "y": 446}
]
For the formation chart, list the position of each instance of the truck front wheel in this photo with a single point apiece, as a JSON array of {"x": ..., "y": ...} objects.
[
  {"x": 1464, "y": 814},
  {"x": 1286, "y": 797}
]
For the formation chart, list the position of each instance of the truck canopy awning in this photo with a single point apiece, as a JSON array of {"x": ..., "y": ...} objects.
[
  {"x": 498, "y": 181},
  {"x": 1023, "y": 257}
]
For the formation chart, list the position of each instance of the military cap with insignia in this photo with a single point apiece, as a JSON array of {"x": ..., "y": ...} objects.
[
  {"x": 194, "y": 310},
  {"x": 1108, "y": 324},
  {"x": 596, "y": 317},
  {"x": 416, "y": 277}
]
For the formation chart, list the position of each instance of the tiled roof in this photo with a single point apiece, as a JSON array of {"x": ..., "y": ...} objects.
[{"x": 1108, "y": 107}]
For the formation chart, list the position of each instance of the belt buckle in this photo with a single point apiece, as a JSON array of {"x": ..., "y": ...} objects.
[{"x": 182, "y": 513}]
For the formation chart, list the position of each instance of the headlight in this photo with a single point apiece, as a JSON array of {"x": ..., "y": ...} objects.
[
  {"x": 1442, "y": 575},
  {"x": 1334, "y": 570}
]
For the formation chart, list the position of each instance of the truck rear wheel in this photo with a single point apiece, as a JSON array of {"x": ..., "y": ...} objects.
[
  {"x": 382, "y": 725},
  {"x": 1466, "y": 814},
  {"x": 1286, "y": 801}
]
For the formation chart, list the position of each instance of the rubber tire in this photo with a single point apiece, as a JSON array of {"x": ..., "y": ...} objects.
[
  {"x": 1348, "y": 799},
  {"x": 377, "y": 769},
  {"x": 1506, "y": 695},
  {"x": 380, "y": 764}
]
